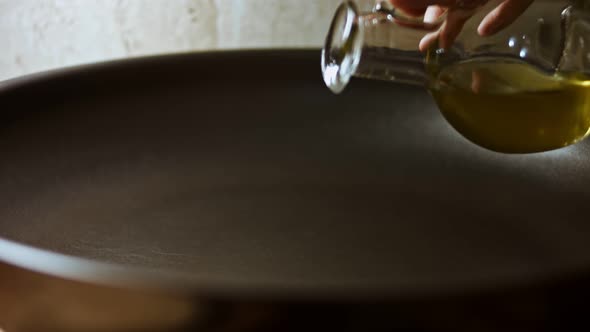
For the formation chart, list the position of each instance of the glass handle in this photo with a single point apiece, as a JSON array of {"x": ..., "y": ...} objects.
[{"x": 575, "y": 57}]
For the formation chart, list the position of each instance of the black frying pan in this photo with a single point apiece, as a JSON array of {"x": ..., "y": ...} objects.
[{"x": 233, "y": 191}]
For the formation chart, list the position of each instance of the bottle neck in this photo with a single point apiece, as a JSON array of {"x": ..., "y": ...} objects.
[
  {"x": 382, "y": 45},
  {"x": 390, "y": 51}
]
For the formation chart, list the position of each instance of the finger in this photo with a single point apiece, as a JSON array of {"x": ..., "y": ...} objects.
[
  {"x": 433, "y": 13},
  {"x": 430, "y": 39},
  {"x": 502, "y": 16},
  {"x": 418, "y": 7},
  {"x": 456, "y": 18}
]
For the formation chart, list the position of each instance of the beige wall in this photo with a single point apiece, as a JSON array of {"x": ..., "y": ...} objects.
[{"x": 43, "y": 34}]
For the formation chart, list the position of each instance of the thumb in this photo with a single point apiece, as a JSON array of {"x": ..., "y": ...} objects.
[{"x": 418, "y": 7}]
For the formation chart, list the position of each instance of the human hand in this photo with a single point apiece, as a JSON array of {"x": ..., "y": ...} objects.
[{"x": 458, "y": 12}]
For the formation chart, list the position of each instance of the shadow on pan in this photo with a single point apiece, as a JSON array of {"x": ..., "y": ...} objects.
[{"x": 253, "y": 199}]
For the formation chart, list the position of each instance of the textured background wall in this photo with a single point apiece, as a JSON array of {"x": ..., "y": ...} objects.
[{"x": 43, "y": 34}]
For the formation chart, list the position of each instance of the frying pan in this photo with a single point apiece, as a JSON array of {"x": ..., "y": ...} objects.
[{"x": 232, "y": 191}]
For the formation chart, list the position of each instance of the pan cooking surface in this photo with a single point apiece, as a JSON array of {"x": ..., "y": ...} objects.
[{"x": 242, "y": 167}]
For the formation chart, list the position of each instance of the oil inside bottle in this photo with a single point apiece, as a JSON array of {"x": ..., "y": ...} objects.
[{"x": 512, "y": 107}]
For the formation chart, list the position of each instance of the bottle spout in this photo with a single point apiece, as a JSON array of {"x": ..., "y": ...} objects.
[
  {"x": 379, "y": 44},
  {"x": 342, "y": 51}
]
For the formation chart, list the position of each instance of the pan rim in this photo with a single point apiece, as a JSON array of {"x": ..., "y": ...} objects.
[{"x": 50, "y": 263}]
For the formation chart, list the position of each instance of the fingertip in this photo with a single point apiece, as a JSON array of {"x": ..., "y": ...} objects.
[
  {"x": 427, "y": 41},
  {"x": 488, "y": 26},
  {"x": 484, "y": 30},
  {"x": 423, "y": 46},
  {"x": 502, "y": 16},
  {"x": 432, "y": 14}
]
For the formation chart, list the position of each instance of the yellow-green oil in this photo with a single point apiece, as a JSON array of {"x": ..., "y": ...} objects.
[{"x": 512, "y": 107}]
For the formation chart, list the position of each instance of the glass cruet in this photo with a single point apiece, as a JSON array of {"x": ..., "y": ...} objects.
[{"x": 524, "y": 89}]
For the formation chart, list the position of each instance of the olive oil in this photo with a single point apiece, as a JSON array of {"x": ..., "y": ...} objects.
[{"x": 512, "y": 107}]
